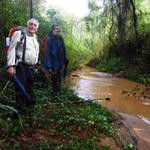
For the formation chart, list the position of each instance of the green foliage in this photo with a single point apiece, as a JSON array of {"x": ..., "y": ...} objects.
[
  {"x": 143, "y": 53},
  {"x": 16, "y": 13},
  {"x": 129, "y": 147},
  {"x": 105, "y": 147},
  {"x": 55, "y": 16},
  {"x": 123, "y": 31},
  {"x": 12, "y": 109},
  {"x": 76, "y": 52},
  {"x": 65, "y": 114},
  {"x": 138, "y": 77},
  {"x": 113, "y": 63},
  {"x": 110, "y": 34}
]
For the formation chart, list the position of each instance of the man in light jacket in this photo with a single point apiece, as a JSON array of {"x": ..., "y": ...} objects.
[{"x": 22, "y": 63}]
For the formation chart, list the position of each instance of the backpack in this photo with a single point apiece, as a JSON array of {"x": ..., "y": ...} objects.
[
  {"x": 43, "y": 43},
  {"x": 23, "y": 37}
]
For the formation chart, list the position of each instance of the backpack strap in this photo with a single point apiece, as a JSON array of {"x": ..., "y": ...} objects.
[
  {"x": 24, "y": 44},
  {"x": 23, "y": 37}
]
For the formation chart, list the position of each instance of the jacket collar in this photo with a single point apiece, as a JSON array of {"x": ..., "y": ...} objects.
[
  {"x": 29, "y": 34},
  {"x": 51, "y": 35}
]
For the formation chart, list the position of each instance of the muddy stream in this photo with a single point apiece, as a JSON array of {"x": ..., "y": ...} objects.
[{"x": 90, "y": 84}]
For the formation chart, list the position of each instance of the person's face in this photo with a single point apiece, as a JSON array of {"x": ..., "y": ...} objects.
[
  {"x": 56, "y": 31},
  {"x": 32, "y": 27}
]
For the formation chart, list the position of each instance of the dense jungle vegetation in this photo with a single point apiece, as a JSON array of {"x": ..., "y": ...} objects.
[
  {"x": 113, "y": 37},
  {"x": 115, "y": 34},
  {"x": 120, "y": 31}
]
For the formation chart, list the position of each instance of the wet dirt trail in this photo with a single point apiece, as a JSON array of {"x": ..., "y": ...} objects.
[{"x": 101, "y": 87}]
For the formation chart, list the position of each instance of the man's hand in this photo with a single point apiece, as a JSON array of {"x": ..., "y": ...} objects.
[
  {"x": 11, "y": 70},
  {"x": 51, "y": 72}
]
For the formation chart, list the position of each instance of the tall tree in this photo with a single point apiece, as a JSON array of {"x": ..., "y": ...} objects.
[{"x": 31, "y": 8}]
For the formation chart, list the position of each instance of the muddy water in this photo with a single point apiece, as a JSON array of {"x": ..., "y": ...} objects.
[{"x": 90, "y": 84}]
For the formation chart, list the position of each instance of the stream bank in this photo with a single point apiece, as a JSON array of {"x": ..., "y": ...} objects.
[
  {"x": 138, "y": 129},
  {"x": 135, "y": 113}
]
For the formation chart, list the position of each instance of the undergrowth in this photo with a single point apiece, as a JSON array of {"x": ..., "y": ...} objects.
[
  {"x": 138, "y": 77},
  {"x": 113, "y": 63},
  {"x": 62, "y": 121}
]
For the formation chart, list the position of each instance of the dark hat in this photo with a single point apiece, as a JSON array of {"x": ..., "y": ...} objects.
[{"x": 54, "y": 26}]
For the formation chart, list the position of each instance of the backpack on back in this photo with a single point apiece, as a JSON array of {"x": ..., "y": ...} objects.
[
  {"x": 23, "y": 37},
  {"x": 43, "y": 43},
  {"x": 12, "y": 31}
]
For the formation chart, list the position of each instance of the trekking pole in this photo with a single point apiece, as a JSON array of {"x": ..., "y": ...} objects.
[
  {"x": 5, "y": 87},
  {"x": 19, "y": 84}
]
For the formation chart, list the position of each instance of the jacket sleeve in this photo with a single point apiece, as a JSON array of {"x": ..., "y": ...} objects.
[
  {"x": 11, "y": 54},
  {"x": 66, "y": 61},
  {"x": 37, "y": 49},
  {"x": 47, "y": 55}
]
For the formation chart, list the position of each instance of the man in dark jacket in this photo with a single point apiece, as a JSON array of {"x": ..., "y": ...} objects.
[{"x": 55, "y": 56}]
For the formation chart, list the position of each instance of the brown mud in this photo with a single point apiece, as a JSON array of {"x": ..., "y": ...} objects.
[{"x": 139, "y": 129}]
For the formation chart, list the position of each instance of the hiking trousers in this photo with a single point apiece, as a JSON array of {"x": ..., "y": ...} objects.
[
  {"x": 25, "y": 74},
  {"x": 56, "y": 81}
]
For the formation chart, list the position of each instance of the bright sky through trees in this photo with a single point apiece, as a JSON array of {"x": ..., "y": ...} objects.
[{"x": 78, "y": 8}]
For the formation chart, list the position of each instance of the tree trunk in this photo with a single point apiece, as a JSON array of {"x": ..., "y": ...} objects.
[
  {"x": 31, "y": 9},
  {"x": 134, "y": 18}
]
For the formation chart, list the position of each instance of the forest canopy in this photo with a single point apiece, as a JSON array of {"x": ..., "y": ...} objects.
[{"x": 114, "y": 30}]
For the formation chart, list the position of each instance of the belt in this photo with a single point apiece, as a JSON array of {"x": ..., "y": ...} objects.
[{"x": 28, "y": 65}]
